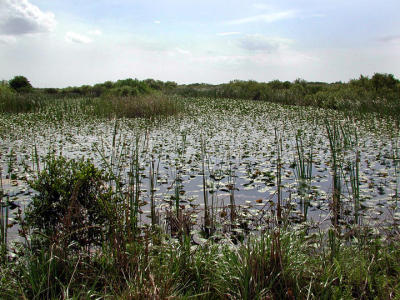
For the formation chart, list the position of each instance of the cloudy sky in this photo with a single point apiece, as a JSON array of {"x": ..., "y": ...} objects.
[{"x": 64, "y": 43}]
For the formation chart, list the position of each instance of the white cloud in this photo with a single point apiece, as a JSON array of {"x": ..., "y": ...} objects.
[
  {"x": 267, "y": 18},
  {"x": 157, "y": 22},
  {"x": 95, "y": 32},
  {"x": 21, "y": 17},
  {"x": 390, "y": 39},
  {"x": 228, "y": 33},
  {"x": 258, "y": 42},
  {"x": 183, "y": 51},
  {"x": 7, "y": 39},
  {"x": 77, "y": 38}
]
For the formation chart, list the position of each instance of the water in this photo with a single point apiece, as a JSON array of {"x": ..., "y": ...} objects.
[{"x": 240, "y": 149}]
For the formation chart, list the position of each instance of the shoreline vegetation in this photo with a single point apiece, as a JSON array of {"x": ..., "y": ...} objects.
[
  {"x": 95, "y": 230},
  {"x": 378, "y": 94}
]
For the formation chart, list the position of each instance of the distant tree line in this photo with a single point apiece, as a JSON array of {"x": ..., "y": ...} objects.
[
  {"x": 380, "y": 93},
  {"x": 125, "y": 87},
  {"x": 122, "y": 88}
]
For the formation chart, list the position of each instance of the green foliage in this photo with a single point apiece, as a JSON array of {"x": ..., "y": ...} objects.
[
  {"x": 12, "y": 102},
  {"x": 384, "y": 82},
  {"x": 144, "y": 106},
  {"x": 51, "y": 91},
  {"x": 72, "y": 199},
  {"x": 282, "y": 265},
  {"x": 380, "y": 94},
  {"x": 20, "y": 84},
  {"x": 122, "y": 88},
  {"x": 5, "y": 90}
]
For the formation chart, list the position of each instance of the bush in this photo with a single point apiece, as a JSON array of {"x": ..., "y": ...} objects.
[
  {"x": 71, "y": 204},
  {"x": 21, "y": 84}
]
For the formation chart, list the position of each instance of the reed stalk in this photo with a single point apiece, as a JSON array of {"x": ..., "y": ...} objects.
[
  {"x": 355, "y": 185},
  {"x": 231, "y": 188},
  {"x": 335, "y": 143},
  {"x": 303, "y": 172},
  {"x": 3, "y": 221},
  {"x": 134, "y": 184},
  {"x": 153, "y": 173},
  {"x": 205, "y": 189},
  {"x": 278, "y": 143},
  {"x": 396, "y": 160}
]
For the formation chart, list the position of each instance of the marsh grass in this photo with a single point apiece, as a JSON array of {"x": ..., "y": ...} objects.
[
  {"x": 278, "y": 144},
  {"x": 304, "y": 165},
  {"x": 146, "y": 106},
  {"x": 3, "y": 222},
  {"x": 335, "y": 137},
  {"x": 142, "y": 106},
  {"x": 144, "y": 262},
  {"x": 278, "y": 264}
]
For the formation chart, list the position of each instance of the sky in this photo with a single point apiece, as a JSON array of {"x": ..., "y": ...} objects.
[{"x": 58, "y": 43}]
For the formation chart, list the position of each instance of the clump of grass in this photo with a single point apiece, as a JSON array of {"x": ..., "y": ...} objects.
[
  {"x": 11, "y": 102},
  {"x": 304, "y": 164},
  {"x": 145, "y": 106},
  {"x": 335, "y": 137},
  {"x": 140, "y": 106}
]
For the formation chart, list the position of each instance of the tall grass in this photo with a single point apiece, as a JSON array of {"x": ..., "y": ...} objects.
[
  {"x": 3, "y": 221},
  {"x": 336, "y": 144},
  {"x": 144, "y": 106},
  {"x": 279, "y": 148},
  {"x": 207, "y": 221},
  {"x": 355, "y": 185},
  {"x": 396, "y": 160},
  {"x": 304, "y": 164},
  {"x": 276, "y": 265}
]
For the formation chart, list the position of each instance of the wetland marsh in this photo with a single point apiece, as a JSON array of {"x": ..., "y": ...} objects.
[
  {"x": 238, "y": 142},
  {"x": 220, "y": 172}
]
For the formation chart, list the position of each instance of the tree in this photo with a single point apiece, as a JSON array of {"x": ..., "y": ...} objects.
[
  {"x": 20, "y": 84},
  {"x": 383, "y": 81}
]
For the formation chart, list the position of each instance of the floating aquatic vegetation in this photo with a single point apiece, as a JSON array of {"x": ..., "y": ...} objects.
[{"x": 219, "y": 154}]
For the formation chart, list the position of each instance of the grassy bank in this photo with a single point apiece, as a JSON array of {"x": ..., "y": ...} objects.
[{"x": 275, "y": 265}]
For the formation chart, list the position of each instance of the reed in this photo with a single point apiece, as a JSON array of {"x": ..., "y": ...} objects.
[
  {"x": 134, "y": 189},
  {"x": 396, "y": 160},
  {"x": 278, "y": 144},
  {"x": 355, "y": 185},
  {"x": 304, "y": 165},
  {"x": 153, "y": 174},
  {"x": 207, "y": 223},
  {"x": 3, "y": 221},
  {"x": 335, "y": 143},
  {"x": 231, "y": 187}
]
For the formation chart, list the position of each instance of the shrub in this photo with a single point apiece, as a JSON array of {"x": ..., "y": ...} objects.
[
  {"x": 20, "y": 84},
  {"x": 71, "y": 203}
]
